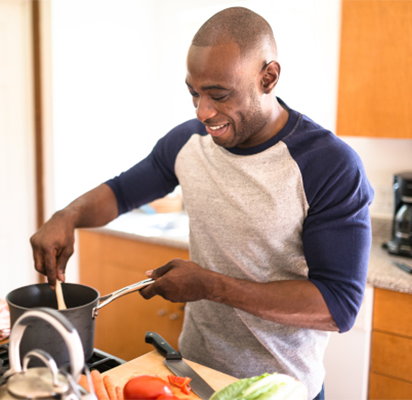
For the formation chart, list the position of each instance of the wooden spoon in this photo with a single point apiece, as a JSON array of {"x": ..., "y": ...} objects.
[{"x": 61, "y": 305}]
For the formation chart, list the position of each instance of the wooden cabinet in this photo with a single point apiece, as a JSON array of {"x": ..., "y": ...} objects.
[
  {"x": 375, "y": 82},
  {"x": 109, "y": 263},
  {"x": 391, "y": 355}
]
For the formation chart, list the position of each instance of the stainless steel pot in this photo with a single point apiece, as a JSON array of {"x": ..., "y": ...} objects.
[
  {"x": 83, "y": 304},
  {"x": 46, "y": 382}
]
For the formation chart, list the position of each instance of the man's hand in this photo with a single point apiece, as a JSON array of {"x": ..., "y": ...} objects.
[
  {"x": 179, "y": 281},
  {"x": 53, "y": 245}
]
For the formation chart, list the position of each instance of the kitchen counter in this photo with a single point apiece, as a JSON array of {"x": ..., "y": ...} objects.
[
  {"x": 173, "y": 230},
  {"x": 382, "y": 272},
  {"x": 169, "y": 229}
]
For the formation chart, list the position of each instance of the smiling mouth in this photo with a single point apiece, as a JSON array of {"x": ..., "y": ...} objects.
[
  {"x": 214, "y": 128},
  {"x": 217, "y": 130}
]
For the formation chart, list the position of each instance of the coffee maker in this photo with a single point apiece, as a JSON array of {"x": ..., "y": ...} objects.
[{"x": 401, "y": 242}]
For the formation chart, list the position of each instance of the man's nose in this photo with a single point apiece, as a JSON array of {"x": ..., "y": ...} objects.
[{"x": 204, "y": 110}]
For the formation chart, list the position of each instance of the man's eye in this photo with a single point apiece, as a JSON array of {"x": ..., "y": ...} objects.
[
  {"x": 220, "y": 98},
  {"x": 194, "y": 94}
]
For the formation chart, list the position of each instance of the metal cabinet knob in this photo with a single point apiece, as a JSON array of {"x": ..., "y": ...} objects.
[
  {"x": 161, "y": 312},
  {"x": 174, "y": 316}
]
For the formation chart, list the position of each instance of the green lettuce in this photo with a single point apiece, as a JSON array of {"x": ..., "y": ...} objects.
[{"x": 265, "y": 387}]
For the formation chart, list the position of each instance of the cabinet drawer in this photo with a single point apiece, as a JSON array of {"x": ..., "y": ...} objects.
[
  {"x": 383, "y": 388},
  {"x": 391, "y": 355},
  {"x": 393, "y": 312}
]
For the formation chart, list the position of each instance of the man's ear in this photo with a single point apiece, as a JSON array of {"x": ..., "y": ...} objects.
[{"x": 270, "y": 76}]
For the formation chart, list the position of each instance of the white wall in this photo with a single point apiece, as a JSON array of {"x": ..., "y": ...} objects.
[
  {"x": 382, "y": 159},
  {"x": 101, "y": 91},
  {"x": 17, "y": 188}
]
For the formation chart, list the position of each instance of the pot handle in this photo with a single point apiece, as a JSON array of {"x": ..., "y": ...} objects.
[
  {"x": 57, "y": 321},
  {"x": 105, "y": 300}
]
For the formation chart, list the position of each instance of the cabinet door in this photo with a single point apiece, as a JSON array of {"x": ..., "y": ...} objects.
[
  {"x": 391, "y": 355},
  {"x": 392, "y": 312},
  {"x": 383, "y": 388},
  {"x": 109, "y": 263},
  {"x": 375, "y": 83}
]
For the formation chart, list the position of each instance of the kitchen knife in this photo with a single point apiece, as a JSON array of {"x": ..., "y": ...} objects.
[
  {"x": 178, "y": 366},
  {"x": 403, "y": 266}
]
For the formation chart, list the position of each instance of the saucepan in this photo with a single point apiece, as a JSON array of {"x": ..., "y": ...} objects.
[{"x": 83, "y": 304}]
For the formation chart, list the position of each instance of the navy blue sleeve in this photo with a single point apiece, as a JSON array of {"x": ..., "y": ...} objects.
[
  {"x": 336, "y": 233},
  {"x": 153, "y": 177}
]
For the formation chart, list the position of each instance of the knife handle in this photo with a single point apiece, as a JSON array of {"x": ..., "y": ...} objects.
[{"x": 162, "y": 346}]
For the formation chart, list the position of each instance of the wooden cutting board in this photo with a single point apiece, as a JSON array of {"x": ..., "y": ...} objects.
[{"x": 152, "y": 364}]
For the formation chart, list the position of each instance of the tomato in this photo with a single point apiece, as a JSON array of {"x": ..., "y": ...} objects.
[
  {"x": 186, "y": 389},
  {"x": 146, "y": 387},
  {"x": 178, "y": 381}
]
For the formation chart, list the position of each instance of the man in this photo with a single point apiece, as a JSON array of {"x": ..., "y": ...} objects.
[{"x": 278, "y": 208}]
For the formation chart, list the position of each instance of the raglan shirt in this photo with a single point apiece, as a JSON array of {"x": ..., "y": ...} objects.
[{"x": 294, "y": 207}]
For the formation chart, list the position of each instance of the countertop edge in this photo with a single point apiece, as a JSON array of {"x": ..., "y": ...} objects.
[{"x": 161, "y": 241}]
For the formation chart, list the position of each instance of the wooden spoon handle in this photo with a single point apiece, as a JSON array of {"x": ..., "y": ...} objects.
[{"x": 61, "y": 305}]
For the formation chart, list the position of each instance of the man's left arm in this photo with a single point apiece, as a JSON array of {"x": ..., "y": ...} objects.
[{"x": 297, "y": 303}]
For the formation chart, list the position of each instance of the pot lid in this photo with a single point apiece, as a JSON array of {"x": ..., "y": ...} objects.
[{"x": 36, "y": 383}]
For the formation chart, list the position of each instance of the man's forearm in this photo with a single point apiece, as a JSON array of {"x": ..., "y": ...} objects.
[
  {"x": 296, "y": 303},
  {"x": 94, "y": 208}
]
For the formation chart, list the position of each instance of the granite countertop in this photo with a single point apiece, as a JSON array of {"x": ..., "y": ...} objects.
[
  {"x": 172, "y": 230},
  {"x": 382, "y": 272},
  {"x": 169, "y": 229}
]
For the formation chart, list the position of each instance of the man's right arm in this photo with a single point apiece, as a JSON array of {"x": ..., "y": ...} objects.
[
  {"x": 53, "y": 243},
  {"x": 150, "y": 179}
]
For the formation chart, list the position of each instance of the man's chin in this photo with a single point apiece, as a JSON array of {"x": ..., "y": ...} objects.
[{"x": 227, "y": 144}]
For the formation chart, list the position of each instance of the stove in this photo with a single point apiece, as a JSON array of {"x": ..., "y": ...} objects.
[{"x": 99, "y": 360}]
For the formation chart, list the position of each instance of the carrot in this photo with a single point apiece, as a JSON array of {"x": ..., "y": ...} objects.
[
  {"x": 119, "y": 393},
  {"x": 110, "y": 388},
  {"x": 99, "y": 385},
  {"x": 84, "y": 382}
]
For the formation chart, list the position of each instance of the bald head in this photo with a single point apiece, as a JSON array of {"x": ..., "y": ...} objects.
[{"x": 248, "y": 30}]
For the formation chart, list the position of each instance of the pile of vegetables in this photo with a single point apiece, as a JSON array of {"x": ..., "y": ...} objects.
[
  {"x": 149, "y": 387},
  {"x": 141, "y": 387}
]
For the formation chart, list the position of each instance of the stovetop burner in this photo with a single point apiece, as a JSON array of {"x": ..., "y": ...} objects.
[
  {"x": 103, "y": 361},
  {"x": 99, "y": 360}
]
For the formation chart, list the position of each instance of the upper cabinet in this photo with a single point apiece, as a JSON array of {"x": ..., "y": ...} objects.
[{"x": 375, "y": 73}]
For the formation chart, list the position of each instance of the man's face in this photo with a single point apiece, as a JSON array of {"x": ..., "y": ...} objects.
[{"x": 226, "y": 94}]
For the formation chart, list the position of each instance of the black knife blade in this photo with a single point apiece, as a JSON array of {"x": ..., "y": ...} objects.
[
  {"x": 403, "y": 266},
  {"x": 178, "y": 366}
]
